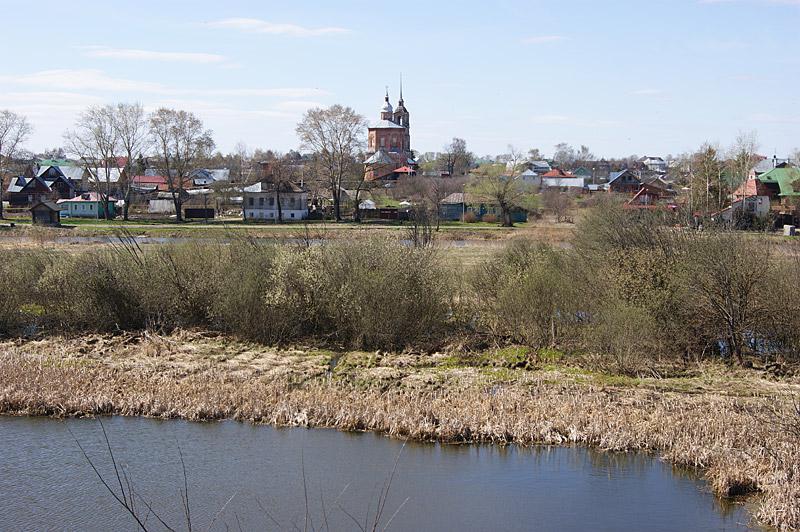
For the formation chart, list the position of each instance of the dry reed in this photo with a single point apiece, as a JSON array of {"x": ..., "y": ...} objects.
[{"x": 726, "y": 437}]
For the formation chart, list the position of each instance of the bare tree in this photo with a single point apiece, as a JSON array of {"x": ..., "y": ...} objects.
[
  {"x": 455, "y": 159},
  {"x": 506, "y": 190},
  {"x": 535, "y": 155},
  {"x": 95, "y": 141},
  {"x": 742, "y": 157},
  {"x": 564, "y": 155},
  {"x": 584, "y": 154},
  {"x": 130, "y": 122},
  {"x": 180, "y": 141},
  {"x": 14, "y": 131},
  {"x": 706, "y": 179},
  {"x": 244, "y": 160},
  {"x": 335, "y": 135},
  {"x": 437, "y": 189},
  {"x": 558, "y": 203}
]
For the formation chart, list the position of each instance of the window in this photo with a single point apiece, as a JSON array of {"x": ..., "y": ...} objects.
[
  {"x": 250, "y": 201},
  {"x": 292, "y": 215},
  {"x": 383, "y": 142},
  {"x": 272, "y": 202}
]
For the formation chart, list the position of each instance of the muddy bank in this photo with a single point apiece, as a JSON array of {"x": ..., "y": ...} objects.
[{"x": 727, "y": 424}]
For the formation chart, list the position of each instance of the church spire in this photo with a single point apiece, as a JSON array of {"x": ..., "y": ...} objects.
[{"x": 401, "y": 88}]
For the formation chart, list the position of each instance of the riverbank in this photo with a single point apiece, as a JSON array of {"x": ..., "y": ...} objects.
[{"x": 732, "y": 424}]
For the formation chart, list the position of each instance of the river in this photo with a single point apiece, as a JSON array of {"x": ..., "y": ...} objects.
[{"x": 259, "y": 478}]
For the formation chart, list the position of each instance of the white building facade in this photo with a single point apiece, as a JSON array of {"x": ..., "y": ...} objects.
[{"x": 261, "y": 202}]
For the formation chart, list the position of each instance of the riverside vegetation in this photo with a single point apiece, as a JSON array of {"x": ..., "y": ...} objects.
[{"x": 609, "y": 342}]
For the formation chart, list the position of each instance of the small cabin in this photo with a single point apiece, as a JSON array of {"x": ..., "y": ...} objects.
[{"x": 46, "y": 213}]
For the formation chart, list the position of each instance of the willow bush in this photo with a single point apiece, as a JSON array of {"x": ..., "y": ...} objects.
[{"x": 634, "y": 291}]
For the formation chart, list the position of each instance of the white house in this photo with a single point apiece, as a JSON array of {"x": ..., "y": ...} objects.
[
  {"x": 654, "y": 164},
  {"x": 758, "y": 206},
  {"x": 261, "y": 201}
]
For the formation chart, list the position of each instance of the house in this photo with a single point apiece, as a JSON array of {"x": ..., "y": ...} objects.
[
  {"x": 756, "y": 206},
  {"x": 558, "y": 178},
  {"x": 651, "y": 197},
  {"x": 261, "y": 201},
  {"x": 752, "y": 187},
  {"x": 103, "y": 177},
  {"x": 86, "y": 205},
  {"x": 765, "y": 164},
  {"x": 145, "y": 184},
  {"x": 204, "y": 177},
  {"x": 625, "y": 182},
  {"x": 583, "y": 172},
  {"x": 530, "y": 178},
  {"x": 539, "y": 167},
  {"x": 31, "y": 189},
  {"x": 782, "y": 182},
  {"x": 653, "y": 164},
  {"x": 46, "y": 213},
  {"x": 458, "y": 205},
  {"x": 782, "y": 186}
]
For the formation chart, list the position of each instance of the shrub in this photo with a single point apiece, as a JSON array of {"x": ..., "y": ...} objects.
[
  {"x": 525, "y": 295},
  {"x": 489, "y": 218}
]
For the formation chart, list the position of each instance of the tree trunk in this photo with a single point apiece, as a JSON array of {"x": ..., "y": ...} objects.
[
  {"x": 178, "y": 203},
  {"x": 356, "y": 210},
  {"x": 336, "y": 207},
  {"x": 507, "y": 217},
  {"x": 127, "y": 204},
  {"x": 278, "y": 202}
]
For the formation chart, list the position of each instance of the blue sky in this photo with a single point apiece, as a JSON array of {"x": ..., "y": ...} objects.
[{"x": 623, "y": 77}]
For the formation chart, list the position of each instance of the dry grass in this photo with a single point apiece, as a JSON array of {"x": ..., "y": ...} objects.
[{"x": 207, "y": 377}]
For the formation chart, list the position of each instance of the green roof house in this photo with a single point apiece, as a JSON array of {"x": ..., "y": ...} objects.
[
  {"x": 583, "y": 172},
  {"x": 785, "y": 180}
]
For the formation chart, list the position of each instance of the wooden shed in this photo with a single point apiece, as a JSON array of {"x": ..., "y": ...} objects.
[{"x": 46, "y": 213}]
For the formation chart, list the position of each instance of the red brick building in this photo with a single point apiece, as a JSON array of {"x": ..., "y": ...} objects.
[{"x": 389, "y": 142}]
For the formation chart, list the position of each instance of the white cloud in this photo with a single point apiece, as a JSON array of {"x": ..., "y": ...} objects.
[
  {"x": 543, "y": 39},
  {"x": 99, "y": 81},
  {"x": 151, "y": 55},
  {"x": 254, "y": 25},
  {"x": 81, "y": 79}
]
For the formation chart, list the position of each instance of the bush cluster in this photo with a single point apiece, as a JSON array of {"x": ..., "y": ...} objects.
[
  {"x": 634, "y": 290},
  {"x": 363, "y": 295}
]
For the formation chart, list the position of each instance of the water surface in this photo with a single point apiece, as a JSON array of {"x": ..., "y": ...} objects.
[{"x": 259, "y": 478}]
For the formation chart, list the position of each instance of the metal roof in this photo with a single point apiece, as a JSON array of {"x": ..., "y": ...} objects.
[
  {"x": 787, "y": 178},
  {"x": 101, "y": 175},
  {"x": 385, "y": 124},
  {"x": 379, "y": 157}
]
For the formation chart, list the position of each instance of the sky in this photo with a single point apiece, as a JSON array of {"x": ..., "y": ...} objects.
[{"x": 647, "y": 77}]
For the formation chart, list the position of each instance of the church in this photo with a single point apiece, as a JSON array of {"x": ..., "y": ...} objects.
[{"x": 389, "y": 143}]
